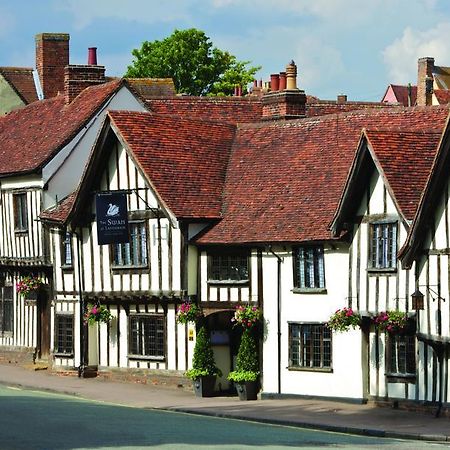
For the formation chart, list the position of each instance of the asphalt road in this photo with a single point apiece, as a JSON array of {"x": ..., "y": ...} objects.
[{"x": 38, "y": 420}]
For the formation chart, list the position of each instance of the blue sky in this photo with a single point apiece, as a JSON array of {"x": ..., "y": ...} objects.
[{"x": 348, "y": 47}]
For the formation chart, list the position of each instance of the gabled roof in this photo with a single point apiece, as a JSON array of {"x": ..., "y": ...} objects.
[
  {"x": 402, "y": 158},
  {"x": 30, "y": 136},
  {"x": 21, "y": 80},
  {"x": 184, "y": 160},
  {"x": 401, "y": 93},
  {"x": 284, "y": 180},
  {"x": 436, "y": 185}
]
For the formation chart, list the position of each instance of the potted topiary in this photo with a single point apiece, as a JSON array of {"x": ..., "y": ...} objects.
[
  {"x": 246, "y": 375},
  {"x": 204, "y": 369}
]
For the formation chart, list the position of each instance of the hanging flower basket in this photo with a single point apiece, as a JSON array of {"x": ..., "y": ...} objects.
[
  {"x": 97, "y": 313},
  {"x": 344, "y": 319},
  {"x": 246, "y": 316},
  {"x": 188, "y": 312},
  {"x": 391, "y": 321},
  {"x": 28, "y": 286}
]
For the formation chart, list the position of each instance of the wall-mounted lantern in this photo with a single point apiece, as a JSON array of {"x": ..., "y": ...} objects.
[{"x": 417, "y": 300}]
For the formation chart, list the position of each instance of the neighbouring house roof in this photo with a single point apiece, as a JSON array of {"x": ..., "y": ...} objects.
[
  {"x": 401, "y": 93},
  {"x": 21, "y": 80},
  {"x": 29, "y": 137},
  {"x": 284, "y": 180},
  {"x": 441, "y": 77},
  {"x": 221, "y": 109},
  {"x": 442, "y": 96},
  {"x": 60, "y": 212},
  {"x": 148, "y": 88}
]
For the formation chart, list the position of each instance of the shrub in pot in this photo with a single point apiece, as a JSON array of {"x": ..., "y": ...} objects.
[
  {"x": 246, "y": 375},
  {"x": 204, "y": 369}
]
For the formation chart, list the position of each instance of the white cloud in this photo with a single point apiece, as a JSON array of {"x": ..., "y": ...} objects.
[
  {"x": 7, "y": 22},
  {"x": 401, "y": 56},
  {"x": 143, "y": 11}
]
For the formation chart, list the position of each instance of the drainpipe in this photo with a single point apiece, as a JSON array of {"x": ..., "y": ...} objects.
[{"x": 279, "y": 261}]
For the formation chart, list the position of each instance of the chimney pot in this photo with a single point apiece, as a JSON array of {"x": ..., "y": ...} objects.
[
  {"x": 282, "y": 85},
  {"x": 291, "y": 76},
  {"x": 92, "y": 56},
  {"x": 274, "y": 82}
]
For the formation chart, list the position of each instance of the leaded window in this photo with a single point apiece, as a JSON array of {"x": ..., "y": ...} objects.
[
  {"x": 133, "y": 253},
  {"x": 147, "y": 335},
  {"x": 230, "y": 266},
  {"x": 309, "y": 346},
  {"x": 402, "y": 354},
  {"x": 20, "y": 212},
  {"x": 383, "y": 249},
  {"x": 309, "y": 267},
  {"x": 66, "y": 250},
  {"x": 63, "y": 334},
  {"x": 6, "y": 309}
]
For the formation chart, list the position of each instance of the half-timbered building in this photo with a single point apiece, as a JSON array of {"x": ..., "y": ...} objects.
[
  {"x": 380, "y": 199},
  {"x": 43, "y": 151}
]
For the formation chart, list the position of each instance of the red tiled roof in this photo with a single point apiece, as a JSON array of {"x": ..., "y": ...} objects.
[
  {"x": 29, "y": 137},
  {"x": 221, "y": 109},
  {"x": 284, "y": 180},
  {"x": 185, "y": 159},
  {"x": 324, "y": 107},
  {"x": 405, "y": 158},
  {"x": 21, "y": 80},
  {"x": 442, "y": 96},
  {"x": 61, "y": 211}
]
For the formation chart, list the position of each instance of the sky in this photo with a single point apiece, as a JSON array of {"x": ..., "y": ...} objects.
[{"x": 350, "y": 47}]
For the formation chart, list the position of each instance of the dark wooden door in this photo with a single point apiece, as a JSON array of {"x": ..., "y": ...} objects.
[{"x": 43, "y": 326}]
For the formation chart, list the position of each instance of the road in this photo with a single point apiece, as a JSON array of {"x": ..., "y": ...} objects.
[{"x": 42, "y": 420}]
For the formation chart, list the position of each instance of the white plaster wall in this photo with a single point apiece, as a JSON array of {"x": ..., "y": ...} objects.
[{"x": 64, "y": 171}]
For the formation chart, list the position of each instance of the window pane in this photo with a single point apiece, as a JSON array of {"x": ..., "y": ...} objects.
[
  {"x": 384, "y": 246},
  {"x": 402, "y": 354},
  {"x": 228, "y": 267},
  {"x": 309, "y": 267},
  {"x": 64, "y": 334},
  {"x": 309, "y": 346},
  {"x": 147, "y": 336},
  {"x": 133, "y": 253}
]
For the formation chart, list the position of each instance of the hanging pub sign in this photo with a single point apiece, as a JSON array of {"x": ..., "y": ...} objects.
[{"x": 112, "y": 218}]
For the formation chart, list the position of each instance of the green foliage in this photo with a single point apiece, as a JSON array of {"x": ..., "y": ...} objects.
[
  {"x": 203, "y": 363},
  {"x": 247, "y": 360},
  {"x": 196, "y": 67},
  {"x": 343, "y": 319}
]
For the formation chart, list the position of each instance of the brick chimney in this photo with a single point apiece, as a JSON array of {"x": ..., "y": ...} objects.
[
  {"x": 52, "y": 55},
  {"x": 79, "y": 77},
  {"x": 289, "y": 103},
  {"x": 425, "y": 81}
]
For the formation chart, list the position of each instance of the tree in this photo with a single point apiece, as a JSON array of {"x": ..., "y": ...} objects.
[{"x": 196, "y": 67}]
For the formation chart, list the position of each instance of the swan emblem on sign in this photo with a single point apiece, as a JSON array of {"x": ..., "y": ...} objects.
[{"x": 113, "y": 210}]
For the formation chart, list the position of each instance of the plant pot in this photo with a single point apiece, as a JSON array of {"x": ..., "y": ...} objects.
[
  {"x": 247, "y": 390},
  {"x": 204, "y": 386}
]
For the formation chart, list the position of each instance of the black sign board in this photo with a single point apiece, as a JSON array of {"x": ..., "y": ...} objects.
[{"x": 112, "y": 218}]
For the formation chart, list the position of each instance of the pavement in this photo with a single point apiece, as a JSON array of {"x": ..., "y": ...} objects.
[{"x": 361, "y": 419}]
